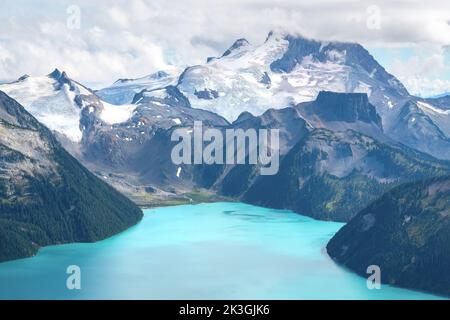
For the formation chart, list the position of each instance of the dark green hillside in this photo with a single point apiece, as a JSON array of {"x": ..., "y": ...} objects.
[
  {"x": 46, "y": 196},
  {"x": 333, "y": 175},
  {"x": 406, "y": 233}
]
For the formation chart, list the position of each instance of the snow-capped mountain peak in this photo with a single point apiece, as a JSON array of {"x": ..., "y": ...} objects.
[
  {"x": 278, "y": 34},
  {"x": 238, "y": 46},
  {"x": 58, "y": 102},
  {"x": 52, "y": 100},
  {"x": 284, "y": 70}
]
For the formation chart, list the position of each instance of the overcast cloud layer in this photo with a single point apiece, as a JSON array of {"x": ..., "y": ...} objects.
[{"x": 132, "y": 38}]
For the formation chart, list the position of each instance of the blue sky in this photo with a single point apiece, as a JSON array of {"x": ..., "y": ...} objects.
[{"x": 132, "y": 38}]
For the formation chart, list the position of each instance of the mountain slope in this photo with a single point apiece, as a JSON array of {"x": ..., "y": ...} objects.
[
  {"x": 335, "y": 144},
  {"x": 335, "y": 159},
  {"x": 340, "y": 112},
  {"x": 406, "y": 233},
  {"x": 333, "y": 175},
  {"x": 290, "y": 69},
  {"x": 46, "y": 196},
  {"x": 51, "y": 99},
  {"x": 423, "y": 127},
  {"x": 111, "y": 140},
  {"x": 62, "y": 104},
  {"x": 286, "y": 70},
  {"x": 124, "y": 90}
]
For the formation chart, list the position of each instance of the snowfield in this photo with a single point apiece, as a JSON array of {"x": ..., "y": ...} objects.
[
  {"x": 113, "y": 114},
  {"x": 54, "y": 104},
  {"x": 54, "y": 108},
  {"x": 124, "y": 90}
]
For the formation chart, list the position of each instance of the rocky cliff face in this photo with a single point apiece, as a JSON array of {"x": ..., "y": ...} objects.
[{"x": 353, "y": 107}]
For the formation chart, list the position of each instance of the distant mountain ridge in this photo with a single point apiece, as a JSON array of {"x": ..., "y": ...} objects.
[
  {"x": 288, "y": 69},
  {"x": 285, "y": 70}
]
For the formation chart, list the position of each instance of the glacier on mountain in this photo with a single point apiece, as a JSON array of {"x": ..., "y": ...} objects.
[{"x": 51, "y": 104}]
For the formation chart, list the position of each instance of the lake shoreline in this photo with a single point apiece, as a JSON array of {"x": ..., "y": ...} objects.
[{"x": 279, "y": 249}]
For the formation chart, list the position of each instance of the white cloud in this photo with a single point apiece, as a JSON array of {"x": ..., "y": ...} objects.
[
  {"x": 427, "y": 87},
  {"x": 119, "y": 16},
  {"x": 426, "y": 73}
]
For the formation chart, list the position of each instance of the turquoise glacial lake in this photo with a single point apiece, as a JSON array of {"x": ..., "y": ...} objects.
[{"x": 207, "y": 251}]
